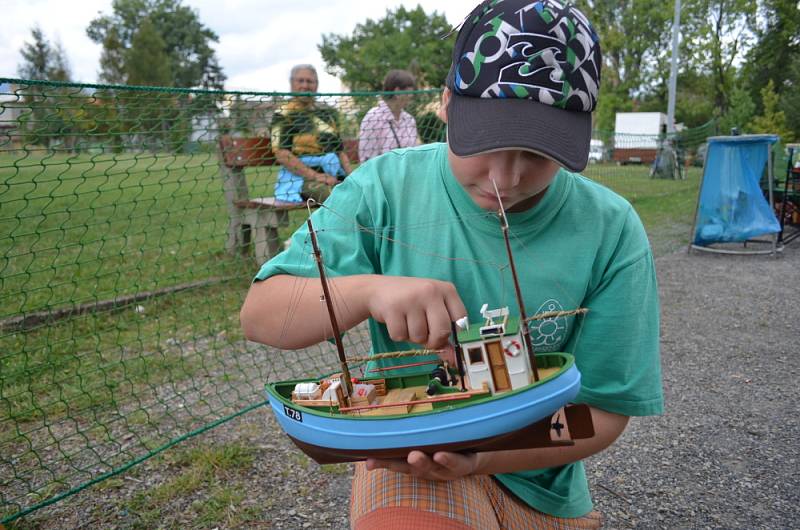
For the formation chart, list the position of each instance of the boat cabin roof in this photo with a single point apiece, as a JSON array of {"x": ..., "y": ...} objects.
[{"x": 473, "y": 332}]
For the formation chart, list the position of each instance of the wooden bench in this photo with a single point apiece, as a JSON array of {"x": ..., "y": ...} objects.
[{"x": 253, "y": 220}]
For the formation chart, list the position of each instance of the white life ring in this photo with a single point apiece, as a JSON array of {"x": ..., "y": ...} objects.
[{"x": 512, "y": 348}]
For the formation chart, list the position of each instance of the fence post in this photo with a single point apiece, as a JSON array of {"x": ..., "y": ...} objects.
[{"x": 234, "y": 184}]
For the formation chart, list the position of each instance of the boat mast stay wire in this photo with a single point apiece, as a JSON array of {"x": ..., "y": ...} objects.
[
  {"x": 414, "y": 248},
  {"x": 346, "y": 383},
  {"x": 379, "y": 232},
  {"x": 394, "y": 355},
  {"x": 526, "y": 332},
  {"x": 581, "y": 312},
  {"x": 341, "y": 301},
  {"x": 295, "y": 295},
  {"x": 555, "y": 314},
  {"x": 555, "y": 280},
  {"x": 326, "y": 324},
  {"x": 413, "y": 226}
]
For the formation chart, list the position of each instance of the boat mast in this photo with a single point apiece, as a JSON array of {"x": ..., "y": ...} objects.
[
  {"x": 459, "y": 352},
  {"x": 347, "y": 383},
  {"x": 523, "y": 319}
]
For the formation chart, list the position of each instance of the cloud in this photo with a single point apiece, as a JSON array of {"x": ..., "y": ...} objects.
[
  {"x": 60, "y": 21},
  {"x": 259, "y": 41}
]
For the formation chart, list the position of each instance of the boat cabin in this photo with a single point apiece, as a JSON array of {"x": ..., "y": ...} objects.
[{"x": 494, "y": 352}]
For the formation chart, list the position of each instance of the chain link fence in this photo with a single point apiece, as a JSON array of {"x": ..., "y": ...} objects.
[{"x": 131, "y": 221}]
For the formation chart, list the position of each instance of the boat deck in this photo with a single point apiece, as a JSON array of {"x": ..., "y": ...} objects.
[
  {"x": 415, "y": 399},
  {"x": 409, "y": 400},
  {"x": 404, "y": 397}
]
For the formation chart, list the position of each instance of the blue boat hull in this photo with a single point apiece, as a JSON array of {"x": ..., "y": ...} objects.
[{"x": 485, "y": 419}]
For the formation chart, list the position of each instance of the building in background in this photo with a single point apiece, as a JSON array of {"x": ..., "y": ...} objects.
[
  {"x": 636, "y": 136},
  {"x": 10, "y": 110}
]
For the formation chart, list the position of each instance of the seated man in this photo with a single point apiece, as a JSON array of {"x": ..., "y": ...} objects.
[{"x": 305, "y": 138}]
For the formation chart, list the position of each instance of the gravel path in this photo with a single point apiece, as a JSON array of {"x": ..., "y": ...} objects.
[{"x": 724, "y": 456}]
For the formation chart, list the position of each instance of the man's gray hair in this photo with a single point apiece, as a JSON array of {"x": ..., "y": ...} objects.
[{"x": 299, "y": 67}]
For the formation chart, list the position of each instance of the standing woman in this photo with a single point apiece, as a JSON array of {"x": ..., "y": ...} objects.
[
  {"x": 387, "y": 126},
  {"x": 305, "y": 138}
]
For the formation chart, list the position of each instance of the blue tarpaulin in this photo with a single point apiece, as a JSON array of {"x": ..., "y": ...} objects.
[{"x": 732, "y": 207}]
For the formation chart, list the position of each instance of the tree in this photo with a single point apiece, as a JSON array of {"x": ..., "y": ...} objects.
[
  {"x": 189, "y": 58},
  {"x": 634, "y": 38},
  {"x": 741, "y": 110},
  {"x": 146, "y": 61},
  {"x": 48, "y": 117},
  {"x": 777, "y": 30},
  {"x": 718, "y": 34},
  {"x": 771, "y": 120},
  {"x": 408, "y": 39},
  {"x": 43, "y": 61},
  {"x": 790, "y": 98}
]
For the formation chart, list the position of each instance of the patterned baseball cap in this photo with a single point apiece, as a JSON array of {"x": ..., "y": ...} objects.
[{"x": 525, "y": 75}]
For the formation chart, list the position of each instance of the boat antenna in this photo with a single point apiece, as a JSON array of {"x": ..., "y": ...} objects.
[
  {"x": 526, "y": 332},
  {"x": 347, "y": 384}
]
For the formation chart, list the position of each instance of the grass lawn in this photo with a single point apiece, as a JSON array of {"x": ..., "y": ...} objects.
[{"x": 86, "y": 228}]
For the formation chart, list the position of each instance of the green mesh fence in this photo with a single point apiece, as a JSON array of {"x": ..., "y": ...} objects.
[{"x": 131, "y": 221}]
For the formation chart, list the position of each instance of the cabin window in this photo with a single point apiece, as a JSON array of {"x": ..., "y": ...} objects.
[{"x": 475, "y": 355}]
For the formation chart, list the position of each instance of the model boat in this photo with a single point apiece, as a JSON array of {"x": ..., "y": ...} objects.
[{"x": 500, "y": 395}]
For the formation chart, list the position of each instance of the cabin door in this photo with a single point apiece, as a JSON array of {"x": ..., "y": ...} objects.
[{"x": 498, "y": 365}]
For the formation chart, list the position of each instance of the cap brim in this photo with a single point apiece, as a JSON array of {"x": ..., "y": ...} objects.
[{"x": 481, "y": 125}]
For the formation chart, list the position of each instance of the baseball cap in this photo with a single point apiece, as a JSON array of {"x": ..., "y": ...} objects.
[{"x": 525, "y": 75}]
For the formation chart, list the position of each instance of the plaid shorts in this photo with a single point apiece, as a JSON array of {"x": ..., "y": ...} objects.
[{"x": 393, "y": 501}]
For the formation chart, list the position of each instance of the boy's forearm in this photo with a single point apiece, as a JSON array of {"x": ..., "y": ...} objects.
[
  {"x": 608, "y": 426},
  {"x": 289, "y": 312}
]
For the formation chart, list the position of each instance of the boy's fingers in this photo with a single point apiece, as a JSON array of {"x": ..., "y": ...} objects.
[
  {"x": 455, "y": 307},
  {"x": 438, "y": 326},
  {"x": 397, "y": 327},
  {"x": 396, "y": 465},
  {"x": 420, "y": 463},
  {"x": 417, "y": 327}
]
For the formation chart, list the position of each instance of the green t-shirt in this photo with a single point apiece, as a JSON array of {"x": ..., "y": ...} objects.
[{"x": 404, "y": 214}]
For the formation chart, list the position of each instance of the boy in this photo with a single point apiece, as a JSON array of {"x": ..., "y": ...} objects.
[{"x": 522, "y": 85}]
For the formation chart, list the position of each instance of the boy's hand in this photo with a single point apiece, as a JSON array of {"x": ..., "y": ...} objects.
[
  {"x": 441, "y": 466},
  {"x": 417, "y": 310}
]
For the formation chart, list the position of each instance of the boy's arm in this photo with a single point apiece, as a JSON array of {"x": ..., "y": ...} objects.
[
  {"x": 288, "y": 312},
  {"x": 607, "y": 426},
  {"x": 450, "y": 466}
]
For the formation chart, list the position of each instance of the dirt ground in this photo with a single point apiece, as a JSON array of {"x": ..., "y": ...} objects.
[{"x": 725, "y": 454}]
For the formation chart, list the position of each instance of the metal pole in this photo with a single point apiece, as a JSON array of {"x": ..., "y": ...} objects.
[
  {"x": 673, "y": 76},
  {"x": 785, "y": 193},
  {"x": 697, "y": 206},
  {"x": 771, "y": 185}
]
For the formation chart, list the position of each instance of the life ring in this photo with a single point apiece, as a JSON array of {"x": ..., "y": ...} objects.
[{"x": 512, "y": 348}]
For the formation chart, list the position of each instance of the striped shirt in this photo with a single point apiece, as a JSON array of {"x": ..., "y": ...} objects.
[{"x": 381, "y": 132}]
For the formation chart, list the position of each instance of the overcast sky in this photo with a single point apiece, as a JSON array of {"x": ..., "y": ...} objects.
[{"x": 259, "y": 41}]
